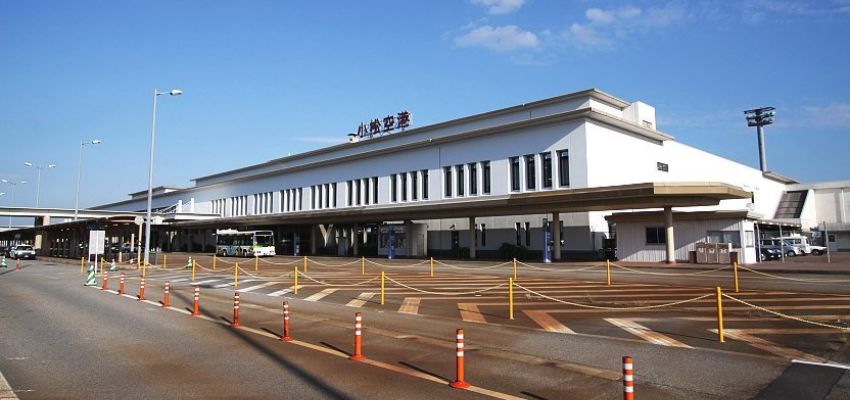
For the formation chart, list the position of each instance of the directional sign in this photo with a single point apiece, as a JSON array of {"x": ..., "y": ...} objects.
[{"x": 96, "y": 239}]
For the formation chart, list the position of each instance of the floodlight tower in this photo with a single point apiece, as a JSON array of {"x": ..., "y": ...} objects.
[{"x": 759, "y": 117}]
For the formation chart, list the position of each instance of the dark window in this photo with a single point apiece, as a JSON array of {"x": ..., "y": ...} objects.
[
  {"x": 393, "y": 188},
  {"x": 357, "y": 198},
  {"x": 662, "y": 167},
  {"x": 485, "y": 171},
  {"x": 514, "y": 174},
  {"x": 460, "y": 180},
  {"x": 414, "y": 186},
  {"x": 530, "y": 172},
  {"x": 327, "y": 195},
  {"x": 424, "y": 184},
  {"x": 483, "y": 235},
  {"x": 334, "y": 194},
  {"x": 733, "y": 237},
  {"x": 528, "y": 234},
  {"x": 656, "y": 235},
  {"x": 447, "y": 175},
  {"x": 518, "y": 234},
  {"x": 312, "y": 197},
  {"x": 374, "y": 190},
  {"x": 546, "y": 160},
  {"x": 473, "y": 179},
  {"x": 349, "y": 186},
  {"x": 403, "y": 177},
  {"x": 564, "y": 168},
  {"x": 366, "y": 197}
]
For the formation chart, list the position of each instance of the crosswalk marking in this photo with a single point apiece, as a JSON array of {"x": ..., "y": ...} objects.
[
  {"x": 284, "y": 291},
  {"x": 320, "y": 295},
  {"x": 196, "y": 283},
  {"x": 361, "y": 299},
  {"x": 469, "y": 312},
  {"x": 255, "y": 287},
  {"x": 645, "y": 333},
  {"x": 223, "y": 285},
  {"x": 410, "y": 305},
  {"x": 770, "y": 347},
  {"x": 547, "y": 322}
]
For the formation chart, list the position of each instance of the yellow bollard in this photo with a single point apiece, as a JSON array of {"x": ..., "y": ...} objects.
[
  {"x": 295, "y": 286},
  {"x": 101, "y": 263},
  {"x": 82, "y": 265},
  {"x": 432, "y": 267},
  {"x": 382, "y": 287},
  {"x": 362, "y": 265},
  {"x": 214, "y": 259},
  {"x": 164, "y": 261},
  {"x": 235, "y": 274},
  {"x": 139, "y": 262},
  {"x": 608, "y": 271},
  {"x": 143, "y": 271},
  {"x": 514, "y": 268},
  {"x": 256, "y": 263},
  {"x": 511, "y": 298},
  {"x": 720, "y": 315},
  {"x": 305, "y": 264},
  {"x": 735, "y": 269},
  {"x": 193, "y": 270}
]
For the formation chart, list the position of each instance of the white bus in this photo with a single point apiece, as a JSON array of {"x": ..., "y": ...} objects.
[{"x": 231, "y": 242}]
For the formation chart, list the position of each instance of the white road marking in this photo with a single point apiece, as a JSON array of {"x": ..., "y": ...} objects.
[
  {"x": 469, "y": 312},
  {"x": 255, "y": 287},
  {"x": 547, "y": 322},
  {"x": 361, "y": 299},
  {"x": 820, "y": 364},
  {"x": 410, "y": 305},
  {"x": 6, "y": 392},
  {"x": 645, "y": 333},
  {"x": 224, "y": 285},
  {"x": 320, "y": 295},
  {"x": 284, "y": 291},
  {"x": 770, "y": 347},
  {"x": 204, "y": 282}
]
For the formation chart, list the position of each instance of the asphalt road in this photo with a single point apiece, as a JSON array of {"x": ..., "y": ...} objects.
[{"x": 61, "y": 340}]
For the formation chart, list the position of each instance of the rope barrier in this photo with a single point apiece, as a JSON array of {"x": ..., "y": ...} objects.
[
  {"x": 259, "y": 277},
  {"x": 793, "y": 279},
  {"x": 612, "y": 308},
  {"x": 559, "y": 269},
  {"x": 334, "y": 284},
  {"x": 444, "y": 293},
  {"x": 332, "y": 265},
  {"x": 391, "y": 265},
  {"x": 282, "y": 263},
  {"x": 786, "y": 316},
  {"x": 473, "y": 268},
  {"x": 226, "y": 262},
  {"x": 670, "y": 274},
  {"x": 217, "y": 270}
]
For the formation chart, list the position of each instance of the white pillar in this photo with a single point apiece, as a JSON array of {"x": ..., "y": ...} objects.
[
  {"x": 668, "y": 227},
  {"x": 556, "y": 235},
  {"x": 472, "y": 237}
]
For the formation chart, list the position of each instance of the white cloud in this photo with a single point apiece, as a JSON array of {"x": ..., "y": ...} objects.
[
  {"x": 500, "y": 38},
  {"x": 756, "y": 11},
  {"x": 499, "y": 6},
  {"x": 604, "y": 26},
  {"x": 834, "y": 115}
]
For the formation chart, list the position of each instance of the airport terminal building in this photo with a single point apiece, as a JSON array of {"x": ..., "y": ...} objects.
[{"x": 560, "y": 176}]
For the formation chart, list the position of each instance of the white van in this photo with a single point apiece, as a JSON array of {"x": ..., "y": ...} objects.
[{"x": 799, "y": 245}]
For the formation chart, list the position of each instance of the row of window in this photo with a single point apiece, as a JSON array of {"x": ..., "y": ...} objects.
[
  {"x": 528, "y": 164},
  {"x": 291, "y": 200},
  {"x": 465, "y": 179},
  {"x": 657, "y": 235},
  {"x": 323, "y": 196},
  {"x": 414, "y": 183},
  {"x": 362, "y": 191},
  {"x": 263, "y": 203}
]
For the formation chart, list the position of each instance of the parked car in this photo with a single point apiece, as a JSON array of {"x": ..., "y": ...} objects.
[
  {"x": 790, "y": 249},
  {"x": 770, "y": 253},
  {"x": 23, "y": 251}
]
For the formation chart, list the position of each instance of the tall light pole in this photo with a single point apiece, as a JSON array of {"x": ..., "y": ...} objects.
[
  {"x": 13, "y": 184},
  {"x": 156, "y": 93},
  {"x": 38, "y": 181},
  {"x": 79, "y": 171},
  {"x": 759, "y": 117}
]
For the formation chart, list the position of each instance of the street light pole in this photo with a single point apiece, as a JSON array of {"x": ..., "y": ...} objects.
[
  {"x": 79, "y": 171},
  {"x": 156, "y": 93},
  {"x": 13, "y": 184},
  {"x": 38, "y": 180}
]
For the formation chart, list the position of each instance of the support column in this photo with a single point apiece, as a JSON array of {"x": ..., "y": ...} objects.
[
  {"x": 355, "y": 238},
  {"x": 472, "y": 238},
  {"x": 408, "y": 238},
  {"x": 556, "y": 236},
  {"x": 313, "y": 239},
  {"x": 668, "y": 228}
]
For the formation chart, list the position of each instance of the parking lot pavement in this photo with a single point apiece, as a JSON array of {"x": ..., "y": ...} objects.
[{"x": 508, "y": 358}]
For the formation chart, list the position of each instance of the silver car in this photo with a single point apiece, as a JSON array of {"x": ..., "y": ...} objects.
[{"x": 23, "y": 251}]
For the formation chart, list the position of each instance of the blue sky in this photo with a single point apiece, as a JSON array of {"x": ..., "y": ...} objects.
[{"x": 265, "y": 79}]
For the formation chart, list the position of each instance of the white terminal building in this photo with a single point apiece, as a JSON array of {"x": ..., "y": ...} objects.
[{"x": 576, "y": 170}]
